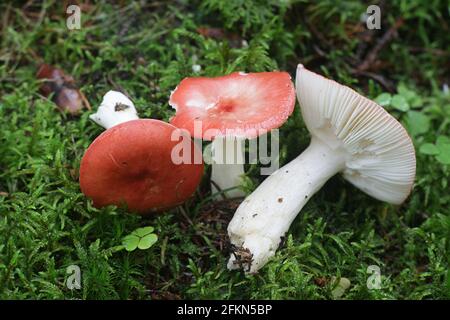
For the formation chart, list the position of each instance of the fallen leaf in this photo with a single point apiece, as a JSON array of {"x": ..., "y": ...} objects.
[
  {"x": 65, "y": 94},
  {"x": 215, "y": 33},
  {"x": 234, "y": 39},
  {"x": 321, "y": 281}
]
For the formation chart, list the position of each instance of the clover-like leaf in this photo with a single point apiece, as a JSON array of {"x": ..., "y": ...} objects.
[
  {"x": 147, "y": 241},
  {"x": 142, "y": 232},
  {"x": 429, "y": 148},
  {"x": 417, "y": 123},
  {"x": 444, "y": 154},
  {"x": 441, "y": 141},
  {"x": 413, "y": 99},
  {"x": 130, "y": 242},
  {"x": 399, "y": 102},
  {"x": 383, "y": 99},
  {"x": 141, "y": 238}
]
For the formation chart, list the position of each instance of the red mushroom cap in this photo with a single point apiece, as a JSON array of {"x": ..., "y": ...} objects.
[
  {"x": 239, "y": 104},
  {"x": 130, "y": 164}
]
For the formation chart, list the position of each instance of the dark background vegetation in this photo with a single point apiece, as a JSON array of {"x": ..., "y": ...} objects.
[{"x": 144, "y": 49}]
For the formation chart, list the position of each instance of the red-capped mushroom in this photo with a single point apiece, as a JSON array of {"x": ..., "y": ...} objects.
[
  {"x": 133, "y": 163},
  {"x": 228, "y": 110}
]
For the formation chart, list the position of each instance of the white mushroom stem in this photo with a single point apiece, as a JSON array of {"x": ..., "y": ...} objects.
[
  {"x": 264, "y": 217},
  {"x": 115, "y": 109},
  {"x": 227, "y": 166}
]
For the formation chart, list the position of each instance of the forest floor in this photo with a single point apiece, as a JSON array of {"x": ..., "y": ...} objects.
[{"x": 145, "y": 50}]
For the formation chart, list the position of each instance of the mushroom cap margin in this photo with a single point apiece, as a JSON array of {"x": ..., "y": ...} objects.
[{"x": 381, "y": 157}]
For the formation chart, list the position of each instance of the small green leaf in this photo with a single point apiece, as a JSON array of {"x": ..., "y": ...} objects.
[
  {"x": 130, "y": 242},
  {"x": 429, "y": 148},
  {"x": 403, "y": 90},
  {"x": 413, "y": 99},
  {"x": 416, "y": 102},
  {"x": 383, "y": 99},
  {"x": 147, "y": 241},
  {"x": 417, "y": 123},
  {"x": 399, "y": 102},
  {"x": 142, "y": 232},
  {"x": 444, "y": 154},
  {"x": 441, "y": 141}
]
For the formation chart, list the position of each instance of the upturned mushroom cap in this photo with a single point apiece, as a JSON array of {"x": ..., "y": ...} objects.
[
  {"x": 131, "y": 164},
  {"x": 380, "y": 155},
  {"x": 114, "y": 109},
  {"x": 239, "y": 104}
]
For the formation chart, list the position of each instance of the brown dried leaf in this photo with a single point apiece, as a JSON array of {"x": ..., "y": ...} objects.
[
  {"x": 234, "y": 39},
  {"x": 65, "y": 94}
]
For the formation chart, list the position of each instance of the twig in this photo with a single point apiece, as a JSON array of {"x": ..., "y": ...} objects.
[
  {"x": 367, "y": 36},
  {"x": 219, "y": 190},
  {"x": 85, "y": 100},
  {"x": 117, "y": 86},
  {"x": 316, "y": 33},
  {"x": 435, "y": 52},
  {"x": 384, "y": 40},
  {"x": 387, "y": 84},
  {"x": 35, "y": 56},
  {"x": 184, "y": 214}
]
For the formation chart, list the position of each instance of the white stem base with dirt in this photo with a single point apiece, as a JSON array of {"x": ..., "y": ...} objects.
[{"x": 264, "y": 217}]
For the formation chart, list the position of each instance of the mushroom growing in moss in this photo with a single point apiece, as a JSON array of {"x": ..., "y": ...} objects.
[
  {"x": 349, "y": 134},
  {"x": 131, "y": 163},
  {"x": 230, "y": 109}
]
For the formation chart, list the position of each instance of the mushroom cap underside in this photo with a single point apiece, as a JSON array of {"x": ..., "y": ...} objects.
[{"x": 381, "y": 158}]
